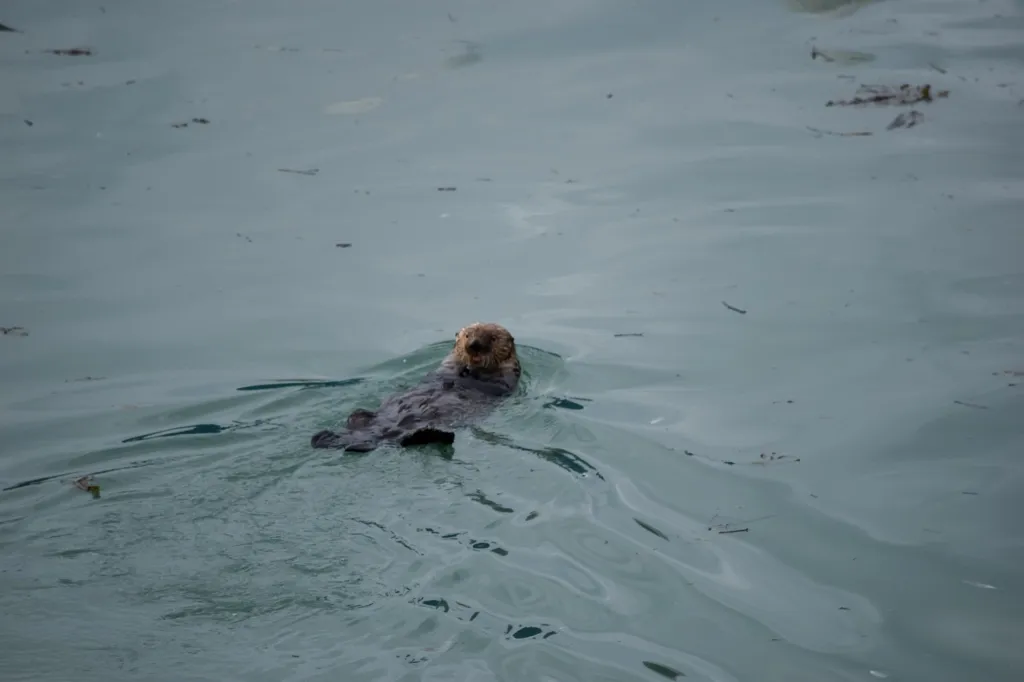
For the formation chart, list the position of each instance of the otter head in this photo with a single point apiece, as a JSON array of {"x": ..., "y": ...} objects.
[{"x": 484, "y": 347}]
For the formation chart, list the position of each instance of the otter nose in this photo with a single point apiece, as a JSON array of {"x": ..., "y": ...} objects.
[{"x": 476, "y": 346}]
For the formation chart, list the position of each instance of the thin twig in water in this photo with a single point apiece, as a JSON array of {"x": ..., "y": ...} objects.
[
  {"x": 818, "y": 132},
  {"x": 734, "y": 308},
  {"x": 737, "y": 530},
  {"x": 311, "y": 171}
]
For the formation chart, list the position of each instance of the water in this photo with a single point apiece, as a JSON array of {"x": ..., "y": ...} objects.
[{"x": 824, "y": 487}]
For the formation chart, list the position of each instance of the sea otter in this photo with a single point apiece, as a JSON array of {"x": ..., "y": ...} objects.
[{"x": 480, "y": 370}]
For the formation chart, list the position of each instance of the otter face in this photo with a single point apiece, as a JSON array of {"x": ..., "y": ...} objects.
[{"x": 484, "y": 347}]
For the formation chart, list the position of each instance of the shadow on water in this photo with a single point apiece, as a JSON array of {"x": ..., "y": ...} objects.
[
  {"x": 560, "y": 457},
  {"x": 197, "y": 430},
  {"x": 301, "y": 383}
]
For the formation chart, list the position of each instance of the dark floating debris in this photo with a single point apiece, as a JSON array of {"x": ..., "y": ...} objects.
[
  {"x": 843, "y": 56},
  {"x": 13, "y": 331},
  {"x": 885, "y": 94},
  {"x": 87, "y": 484},
  {"x": 651, "y": 529},
  {"x": 907, "y": 119},
  {"x": 736, "y": 530},
  {"x": 815, "y": 53},
  {"x": 311, "y": 171},
  {"x": 184, "y": 124},
  {"x": 71, "y": 52},
  {"x": 29, "y": 123},
  {"x": 663, "y": 670},
  {"x": 819, "y": 132},
  {"x": 343, "y": 245},
  {"x": 5, "y": 27},
  {"x": 974, "y": 405},
  {"x": 625, "y": 334},
  {"x": 734, "y": 308}
]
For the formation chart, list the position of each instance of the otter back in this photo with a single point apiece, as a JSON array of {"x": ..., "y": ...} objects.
[{"x": 427, "y": 413}]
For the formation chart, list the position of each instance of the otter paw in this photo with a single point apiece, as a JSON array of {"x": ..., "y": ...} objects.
[
  {"x": 428, "y": 435},
  {"x": 324, "y": 439}
]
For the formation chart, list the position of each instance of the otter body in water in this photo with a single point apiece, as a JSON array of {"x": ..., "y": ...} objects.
[{"x": 480, "y": 371}]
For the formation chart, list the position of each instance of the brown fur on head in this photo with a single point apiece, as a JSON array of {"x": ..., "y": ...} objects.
[{"x": 485, "y": 347}]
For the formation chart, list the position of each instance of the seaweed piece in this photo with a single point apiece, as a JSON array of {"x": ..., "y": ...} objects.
[
  {"x": 71, "y": 51},
  {"x": 905, "y": 94},
  {"x": 86, "y": 483}
]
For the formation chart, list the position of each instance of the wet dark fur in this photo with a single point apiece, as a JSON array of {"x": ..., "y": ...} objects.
[{"x": 464, "y": 389}]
